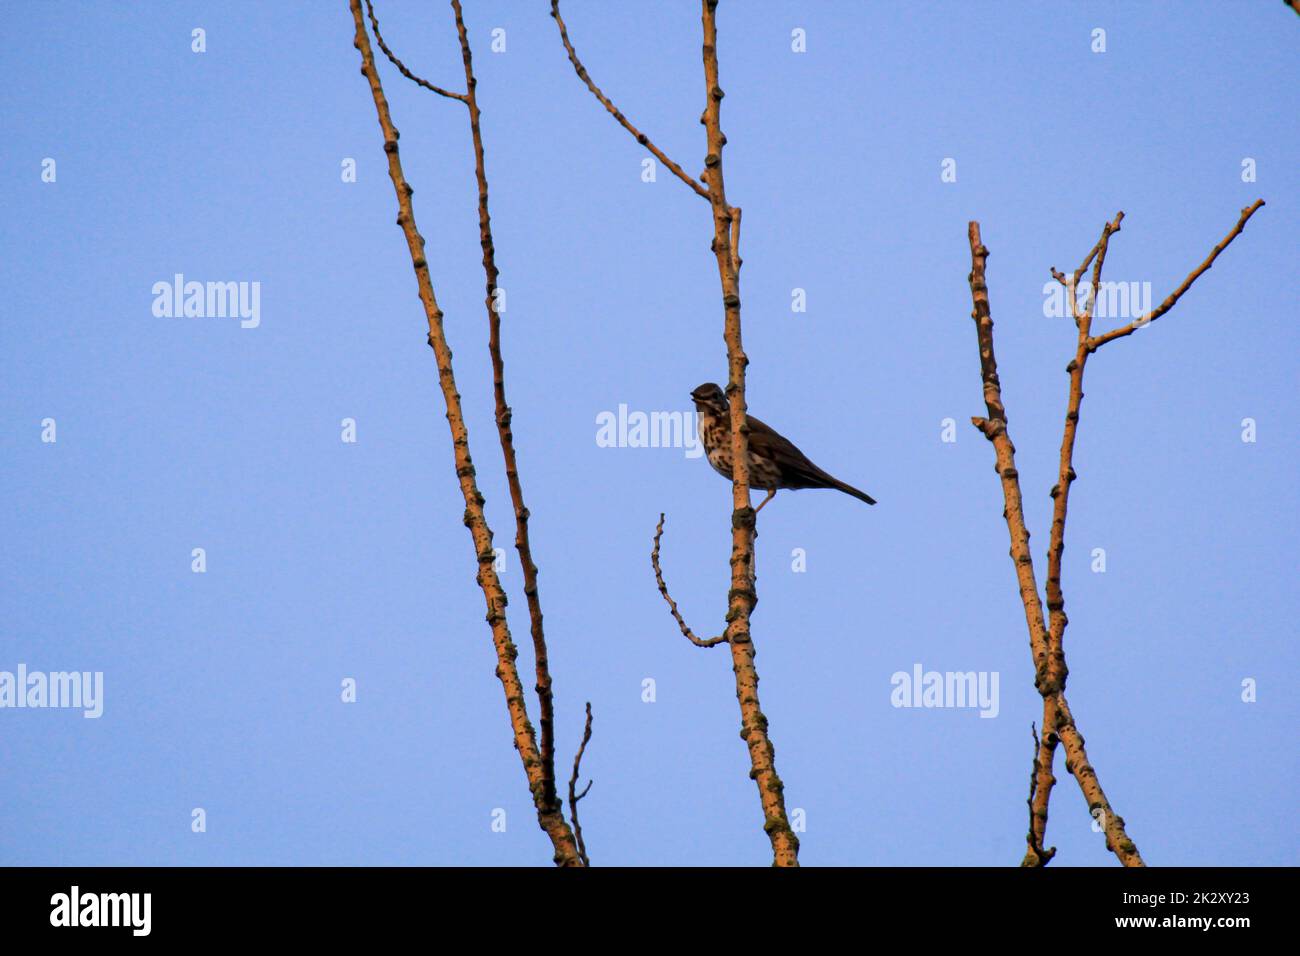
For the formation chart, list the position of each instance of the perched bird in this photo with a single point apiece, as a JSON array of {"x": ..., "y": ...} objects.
[{"x": 774, "y": 462}]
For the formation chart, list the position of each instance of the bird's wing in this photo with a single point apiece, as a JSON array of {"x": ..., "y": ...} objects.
[
  {"x": 767, "y": 442},
  {"x": 796, "y": 470}
]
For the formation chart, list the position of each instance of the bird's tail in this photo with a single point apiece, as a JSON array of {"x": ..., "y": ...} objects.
[{"x": 850, "y": 490}]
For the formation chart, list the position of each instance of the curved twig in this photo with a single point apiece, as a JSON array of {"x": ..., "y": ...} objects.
[
  {"x": 573, "y": 786},
  {"x": 672, "y": 605},
  {"x": 374, "y": 25},
  {"x": 614, "y": 111}
]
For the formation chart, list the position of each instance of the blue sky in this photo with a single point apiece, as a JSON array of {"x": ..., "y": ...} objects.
[{"x": 329, "y": 560}]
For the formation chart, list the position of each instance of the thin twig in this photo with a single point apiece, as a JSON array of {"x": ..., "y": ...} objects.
[
  {"x": 574, "y": 798},
  {"x": 1173, "y": 297},
  {"x": 546, "y": 703},
  {"x": 614, "y": 111},
  {"x": 1045, "y": 781},
  {"x": 550, "y": 816},
  {"x": 1035, "y": 856},
  {"x": 374, "y": 24},
  {"x": 672, "y": 605}
]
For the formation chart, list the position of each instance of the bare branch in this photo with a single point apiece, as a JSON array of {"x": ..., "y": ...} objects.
[
  {"x": 1056, "y": 669},
  {"x": 614, "y": 111},
  {"x": 574, "y": 797},
  {"x": 374, "y": 25},
  {"x": 743, "y": 596},
  {"x": 549, "y": 815},
  {"x": 672, "y": 605},
  {"x": 541, "y": 658},
  {"x": 1173, "y": 297},
  {"x": 994, "y": 429},
  {"x": 1077, "y": 764}
]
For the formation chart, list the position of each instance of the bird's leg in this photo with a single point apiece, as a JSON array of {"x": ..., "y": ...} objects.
[{"x": 770, "y": 495}]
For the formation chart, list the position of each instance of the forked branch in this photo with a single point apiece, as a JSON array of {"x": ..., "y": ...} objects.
[
  {"x": 550, "y": 814},
  {"x": 1047, "y": 639},
  {"x": 504, "y": 414},
  {"x": 504, "y": 417},
  {"x": 995, "y": 430}
]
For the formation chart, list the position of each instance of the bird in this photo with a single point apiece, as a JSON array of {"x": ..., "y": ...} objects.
[{"x": 774, "y": 461}]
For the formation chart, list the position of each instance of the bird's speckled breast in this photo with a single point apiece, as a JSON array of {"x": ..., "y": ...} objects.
[
  {"x": 715, "y": 434},
  {"x": 717, "y": 444}
]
